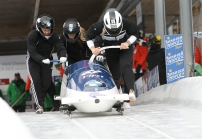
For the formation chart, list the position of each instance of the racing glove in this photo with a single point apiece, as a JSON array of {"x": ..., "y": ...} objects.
[
  {"x": 138, "y": 68},
  {"x": 63, "y": 59},
  {"x": 125, "y": 45},
  {"x": 102, "y": 52},
  {"x": 46, "y": 61},
  {"x": 100, "y": 58}
]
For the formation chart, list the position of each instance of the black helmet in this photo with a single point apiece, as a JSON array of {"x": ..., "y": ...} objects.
[
  {"x": 71, "y": 26},
  {"x": 46, "y": 22},
  {"x": 113, "y": 22}
]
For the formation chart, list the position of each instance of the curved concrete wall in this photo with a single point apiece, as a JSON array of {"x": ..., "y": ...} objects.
[
  {"x": 186, "y": 91},
  {"x": 11, "y": 126}
]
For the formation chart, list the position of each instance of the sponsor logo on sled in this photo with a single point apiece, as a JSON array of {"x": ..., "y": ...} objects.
[
  {"x": 94, "y": 95},
  {"x": 91, "y": 74}
]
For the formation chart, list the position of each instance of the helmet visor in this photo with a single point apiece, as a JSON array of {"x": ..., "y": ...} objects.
[
  {"x": 47, "y": 24},
  {"x": 114, "y": 31}
]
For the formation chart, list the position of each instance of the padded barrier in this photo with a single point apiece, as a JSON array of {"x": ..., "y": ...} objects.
[{"x": 187, "y": 92}]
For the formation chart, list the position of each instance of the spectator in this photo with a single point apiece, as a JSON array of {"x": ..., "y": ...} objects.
[
  {"x": 198, "y": 69},
  {"x": 156, "y": 57},
  {"x": 58, "y": 87},
  {"x": 16, "y": 93},
  {"x": 139, "y": 57},
  {"x": 1, "y": 94},
  {"x": 60, "y": 69},
  {"x": 197, "y": 58},
  {"x": 48, "y": 104},
  {"x": 59, "y": 83},
  {"x": 197, "y": 54}
]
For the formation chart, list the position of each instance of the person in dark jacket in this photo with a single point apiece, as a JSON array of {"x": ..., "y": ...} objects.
[
  {"x": 139, "y": 57},
  {"x": 40, "y": 44},
  {"x": 116, "y": 30},
  {"x": 1, "y": 94},
  {"x": 15, "y": 90},
  {"x": 198, "y": 69},
  {"x": 156, "y": 57},
  {"x": 74, "y": 40}
]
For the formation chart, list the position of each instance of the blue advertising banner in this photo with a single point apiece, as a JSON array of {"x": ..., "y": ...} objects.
[
  {"x": 147, "y": 82},
  {"x": 174, "y": 55}
]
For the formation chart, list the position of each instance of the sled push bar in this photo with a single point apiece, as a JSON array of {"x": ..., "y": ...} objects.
[
  {"x": 103, "y": 48},
  {"x": 93, "y": 56},
  {"x": 55, "y": 60}
]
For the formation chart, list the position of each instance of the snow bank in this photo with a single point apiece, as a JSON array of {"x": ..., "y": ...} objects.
[{"x": 11, "y": 126}]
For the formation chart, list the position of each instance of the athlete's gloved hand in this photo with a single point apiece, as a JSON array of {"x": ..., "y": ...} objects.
[
  {"x": 96, "y": 50},
  {"x": 102, "y": 52},
  {"x": 124, "y": 45},
  {"x": 138, "y": 68},
  {"x": 100, "y": 58},
  {"x": 63, "y": 59},
  {"x": 46, "y": 61}
]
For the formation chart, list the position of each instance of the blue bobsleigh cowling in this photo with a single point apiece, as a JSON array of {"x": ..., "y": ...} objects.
[{"x": 88, "y": 86}]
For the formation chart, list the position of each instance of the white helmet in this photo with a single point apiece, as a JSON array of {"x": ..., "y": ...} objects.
[{"x": 113, "y": 22}]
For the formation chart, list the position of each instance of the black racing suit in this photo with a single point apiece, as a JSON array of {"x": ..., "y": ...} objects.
[
  {"x": 119, "y": 61},
  {"x": 76, "y": 51},
  {"x": 38, "y": 49}
]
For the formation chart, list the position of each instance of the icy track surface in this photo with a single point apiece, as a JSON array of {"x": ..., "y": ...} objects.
[{"x": 154, "y": 121}]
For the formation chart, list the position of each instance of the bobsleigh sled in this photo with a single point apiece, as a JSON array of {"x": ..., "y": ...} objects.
[{"x": 89, "y": 87}]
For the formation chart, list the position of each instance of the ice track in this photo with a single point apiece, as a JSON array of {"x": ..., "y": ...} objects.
[
  {"x": 171, "y": 111},
  {"x": 156, "y": 121}
]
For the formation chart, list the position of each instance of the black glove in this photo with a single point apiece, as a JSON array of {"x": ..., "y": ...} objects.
[{"x": 138, "y": 68}]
